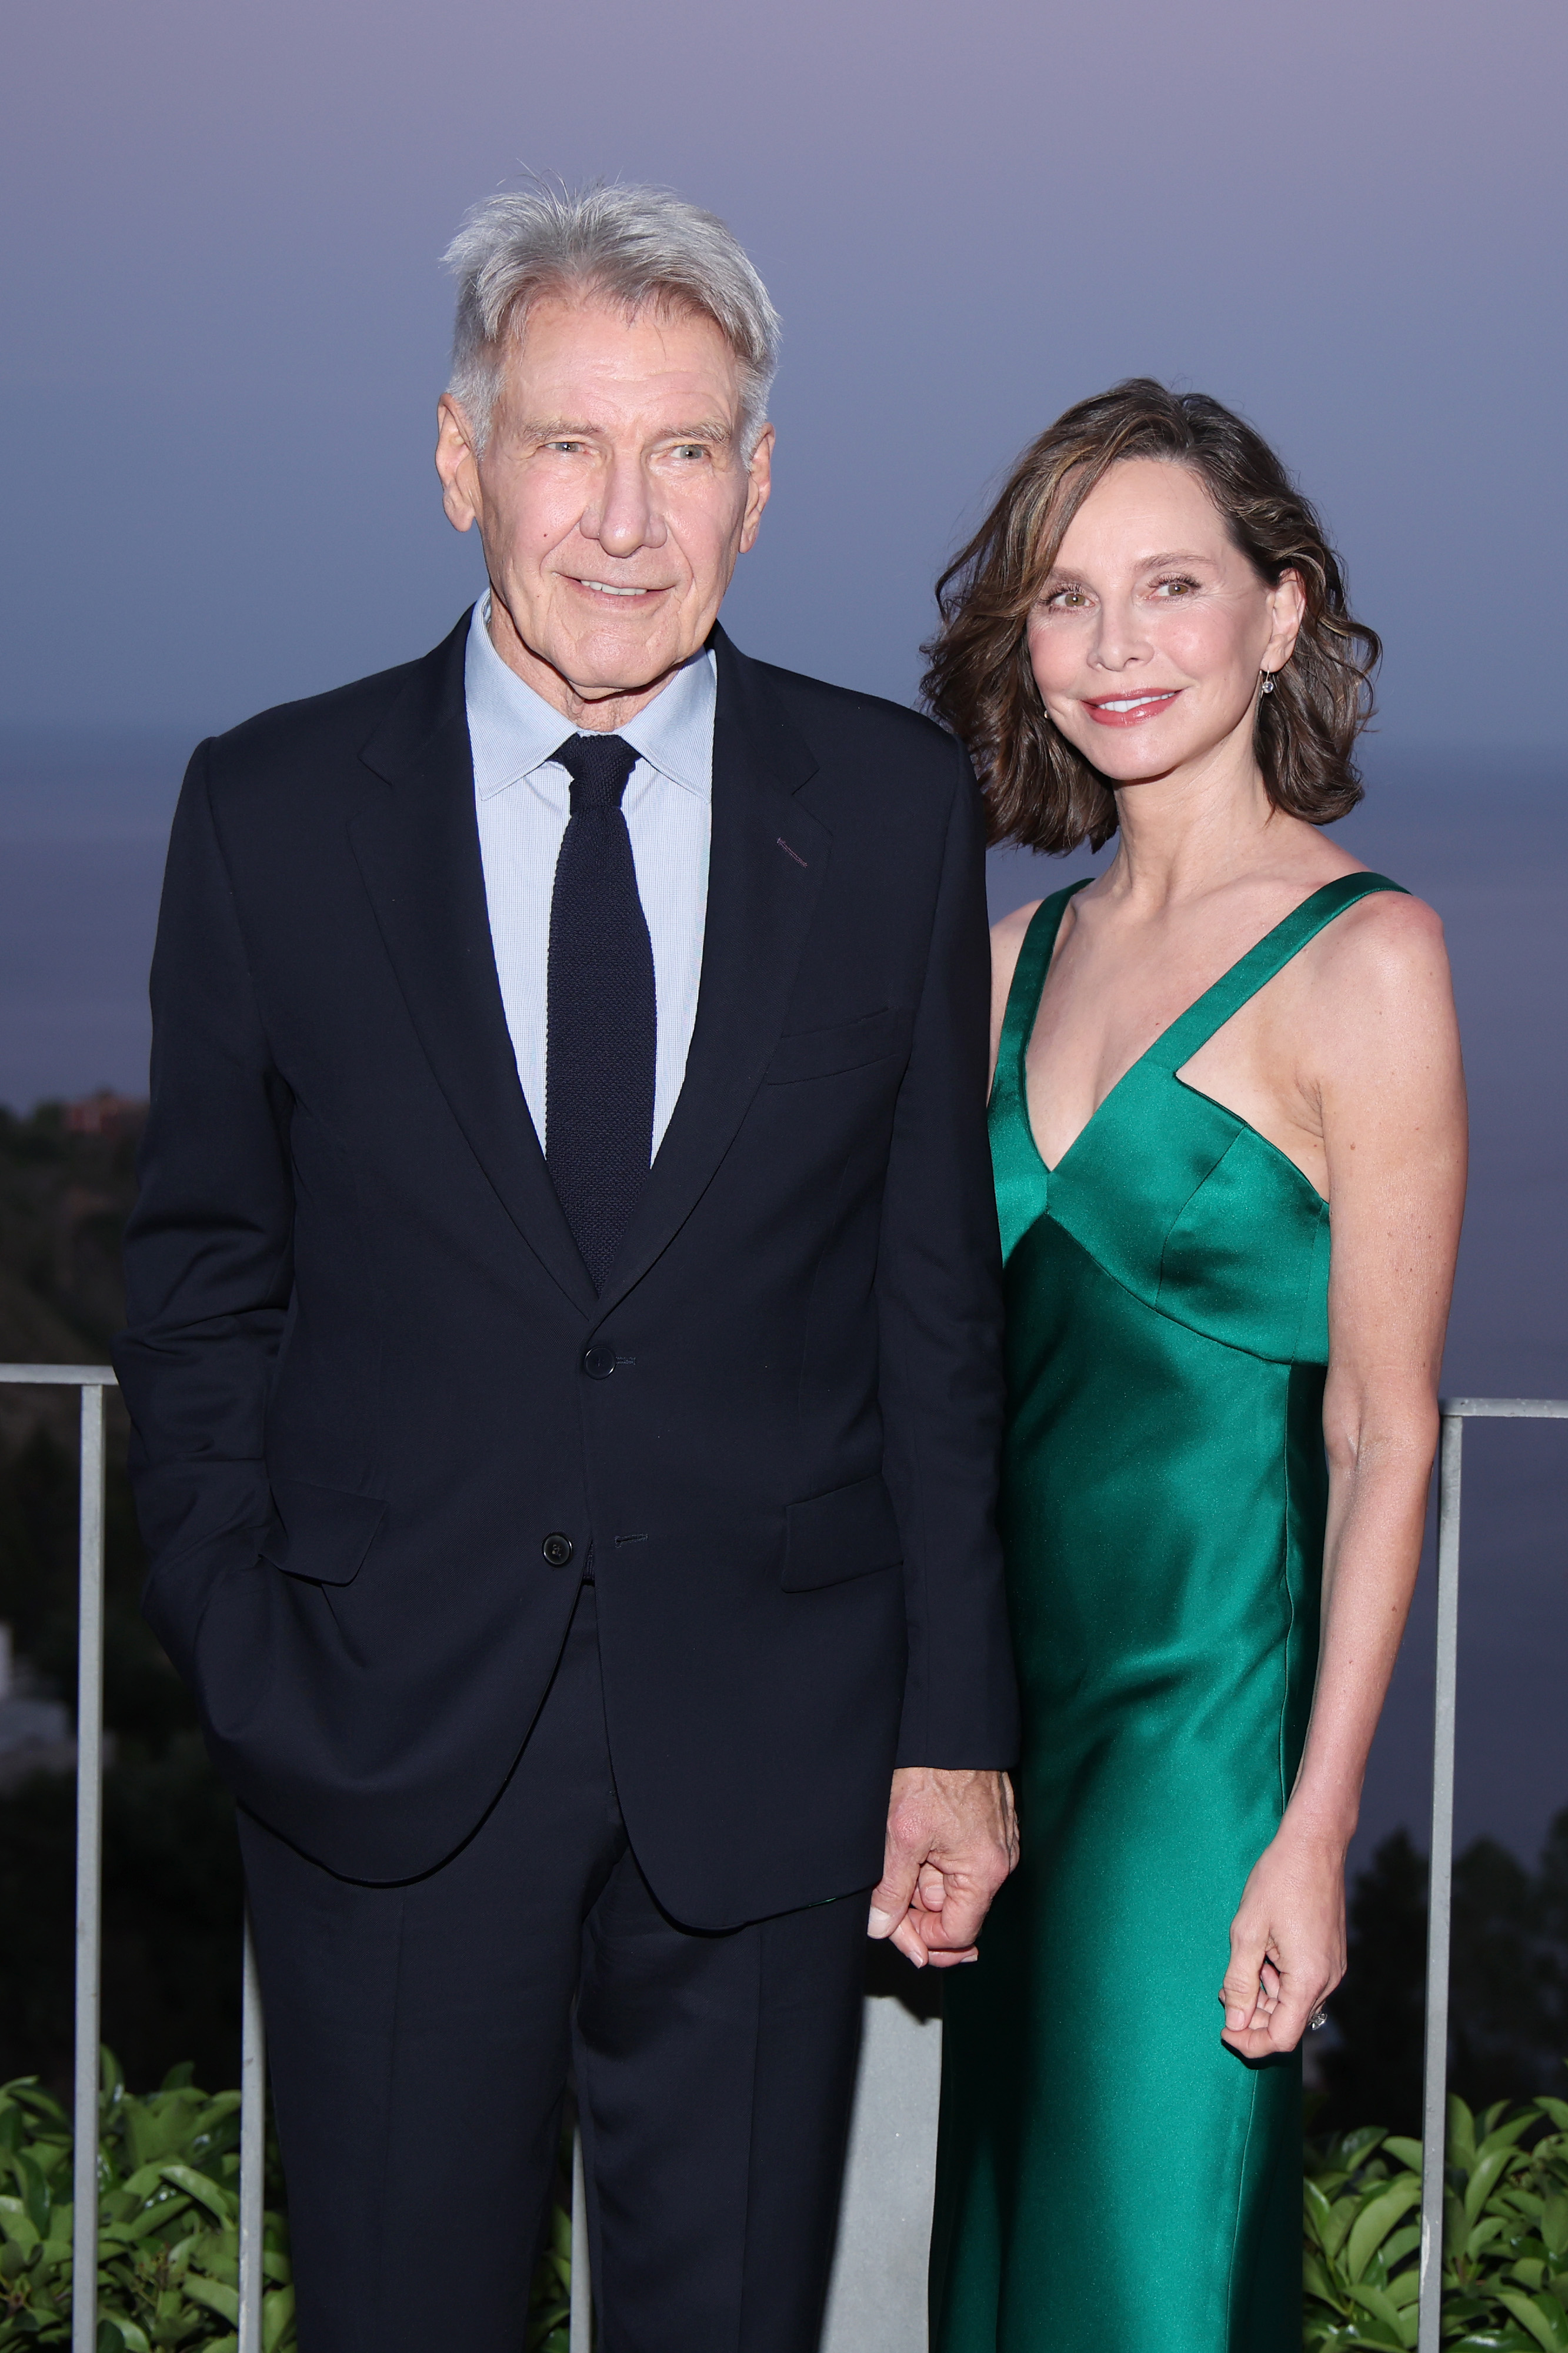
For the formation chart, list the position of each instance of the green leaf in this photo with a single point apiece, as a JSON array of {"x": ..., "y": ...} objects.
[
  {"x": 1461, "y": 2133},
  {"x": 1488, "y": 2171},
  {"x": 1554, "y": 2224},
  {"x": 1336, "y": 2223},
  {"x": 1557, "y": 2110},
  {"x": 1549, "y": 2331},
  {"x": 217, "y": 2298},
  {"x": 205, "y": 2191},
  {"x": 1375, "y": 2221},
  {"x": 109, "y": 2339},
  {"x": 219, "y": 2256},
  {"x": 35, "y": 2192},
  {"x": 277, "y": 2312},
  {"x": 1408, "y": 2152},
  {"x": 1392, "y": 2324},
  {"x": 1318, "y": 2213},
  {"x": 1315, "y": 2281}
]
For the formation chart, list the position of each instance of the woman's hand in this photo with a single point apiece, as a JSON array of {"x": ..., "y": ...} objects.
[{"x": 1287, "y": 1943}]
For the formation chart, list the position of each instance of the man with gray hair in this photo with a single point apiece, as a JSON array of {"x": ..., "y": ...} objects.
[{"x": 564, "y": 1352}]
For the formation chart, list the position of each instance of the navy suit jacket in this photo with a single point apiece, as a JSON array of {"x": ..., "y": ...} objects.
[{"x": 381, "y": 1419}]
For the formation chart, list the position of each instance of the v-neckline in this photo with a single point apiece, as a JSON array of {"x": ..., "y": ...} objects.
[{"x": 1052, "y": 1170}]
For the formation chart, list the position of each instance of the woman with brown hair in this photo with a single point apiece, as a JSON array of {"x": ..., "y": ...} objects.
[{"x": 1219, "y": 1436}]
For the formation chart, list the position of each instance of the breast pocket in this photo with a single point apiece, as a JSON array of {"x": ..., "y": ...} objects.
[
  {"x": 842, "y": 1046},
  {"x": 321, "y": 1533}
]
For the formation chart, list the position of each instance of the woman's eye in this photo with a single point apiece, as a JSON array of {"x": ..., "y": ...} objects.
[
  {"x": 1065, "y": 600},
  {"x": 1168, "y": 588}
]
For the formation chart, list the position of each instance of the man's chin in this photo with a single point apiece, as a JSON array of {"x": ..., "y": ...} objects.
[{"x": 616, "y": 665}]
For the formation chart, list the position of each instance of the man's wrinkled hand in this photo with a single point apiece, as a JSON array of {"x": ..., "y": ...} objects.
[{"x": 952, "y": 1838}]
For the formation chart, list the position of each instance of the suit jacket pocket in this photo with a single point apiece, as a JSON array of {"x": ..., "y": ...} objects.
[
  {"x": 321, "y": 1533},
  {"x": 843, "y": 1046},
  {"x": 830, "y": 1538}
]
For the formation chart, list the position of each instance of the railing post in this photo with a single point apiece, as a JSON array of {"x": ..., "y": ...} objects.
[
  {"x": 580, "y": 2330},
  {"x": 89, "y": 1877},
  {"x": 1435, "y": 2122},
  {"x": 252, "y": 2151}
]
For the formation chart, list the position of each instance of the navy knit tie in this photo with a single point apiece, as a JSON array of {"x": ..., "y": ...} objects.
[{"x": 599, "y": 1056}]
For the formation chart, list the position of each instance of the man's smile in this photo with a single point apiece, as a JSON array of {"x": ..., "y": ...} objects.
[{"x": 616, "y": 588}]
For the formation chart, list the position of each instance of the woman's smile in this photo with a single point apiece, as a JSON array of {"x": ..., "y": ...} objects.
[{"x": 1131, "y": 710}]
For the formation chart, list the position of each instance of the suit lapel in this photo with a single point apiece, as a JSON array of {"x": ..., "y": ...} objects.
[
  {"x": 419, "y": 850},
  {"x": 766, "y": 867}
]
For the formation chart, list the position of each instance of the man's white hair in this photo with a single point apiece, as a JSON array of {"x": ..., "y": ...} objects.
[{"x": 636, "y": 248}]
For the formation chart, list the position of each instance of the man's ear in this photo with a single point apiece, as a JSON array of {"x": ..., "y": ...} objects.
[
  {"x": 457, "y": 464},
  {"x": 759, "y": 483}
]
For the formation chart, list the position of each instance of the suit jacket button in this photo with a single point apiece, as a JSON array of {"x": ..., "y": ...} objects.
[
  {"x": 557, "y": 1549},
  {"x": 599, "y": 1362}
]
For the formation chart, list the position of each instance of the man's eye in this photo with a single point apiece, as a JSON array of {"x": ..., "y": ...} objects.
[
  {"x": 565, "y": 448},
  {"x": 691, "y": 450}
]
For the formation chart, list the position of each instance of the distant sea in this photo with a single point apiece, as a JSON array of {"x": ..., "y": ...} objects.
[{"x": 82, "y": 826}]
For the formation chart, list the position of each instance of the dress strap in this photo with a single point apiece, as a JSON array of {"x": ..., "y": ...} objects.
[
  {"x": 1023, "y": 996},
  {"x": 1273, "y": 952}
]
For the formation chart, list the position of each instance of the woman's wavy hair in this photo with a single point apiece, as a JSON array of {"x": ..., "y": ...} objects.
[{"x": 1039, "y": 789}]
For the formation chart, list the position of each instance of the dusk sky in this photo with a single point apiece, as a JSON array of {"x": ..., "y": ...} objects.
[{"x": 226, "y": 327}]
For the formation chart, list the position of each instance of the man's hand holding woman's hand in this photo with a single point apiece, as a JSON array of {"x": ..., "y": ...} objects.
[{"x": 952, "y": 1838}]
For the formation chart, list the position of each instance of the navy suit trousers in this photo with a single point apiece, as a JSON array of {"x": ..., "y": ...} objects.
[{"x": 421, "y": 2037}]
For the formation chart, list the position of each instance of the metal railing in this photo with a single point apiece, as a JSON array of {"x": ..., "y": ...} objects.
[
  {"x": 92, "y": 1380},
  {"x": 1457, "y": 1411}
]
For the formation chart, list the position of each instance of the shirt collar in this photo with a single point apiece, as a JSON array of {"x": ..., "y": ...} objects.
[{"x": 514, "y": 731}]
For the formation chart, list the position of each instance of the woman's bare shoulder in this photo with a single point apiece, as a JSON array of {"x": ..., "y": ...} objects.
[
  {"x": 1386, "y": 937},
  {"x": 1383, "y": 986}
]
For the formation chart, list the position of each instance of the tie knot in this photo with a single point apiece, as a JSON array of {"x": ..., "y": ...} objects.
[{"x": 598, "y": 767}]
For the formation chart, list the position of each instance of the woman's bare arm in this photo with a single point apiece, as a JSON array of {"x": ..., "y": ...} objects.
[{"x": 1386, "y": 1070}]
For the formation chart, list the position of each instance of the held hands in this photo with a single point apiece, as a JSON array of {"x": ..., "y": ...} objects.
[
  {"x": 952, "y": 1838},
  {"x": 1287, "y": 1943}
]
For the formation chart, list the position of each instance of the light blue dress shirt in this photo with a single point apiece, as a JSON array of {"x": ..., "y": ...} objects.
[{"x": 523, "y": 800}]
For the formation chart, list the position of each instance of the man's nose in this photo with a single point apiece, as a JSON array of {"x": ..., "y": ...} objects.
[{"x": 625, "y": 516}]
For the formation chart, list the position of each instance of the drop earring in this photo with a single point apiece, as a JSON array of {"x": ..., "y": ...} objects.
[{"x": 1266, "y": 681}]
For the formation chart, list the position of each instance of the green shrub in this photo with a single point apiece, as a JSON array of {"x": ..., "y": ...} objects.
[
  {"x": 168, "y": 2272},
  {"x": 168, "y": 2245},
  {"x": 168, "y": 2252},
  {"x": 1505, "y": 2234}
]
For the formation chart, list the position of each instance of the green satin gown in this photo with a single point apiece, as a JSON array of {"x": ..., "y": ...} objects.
[{"x": 1111, "y": 2178}]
